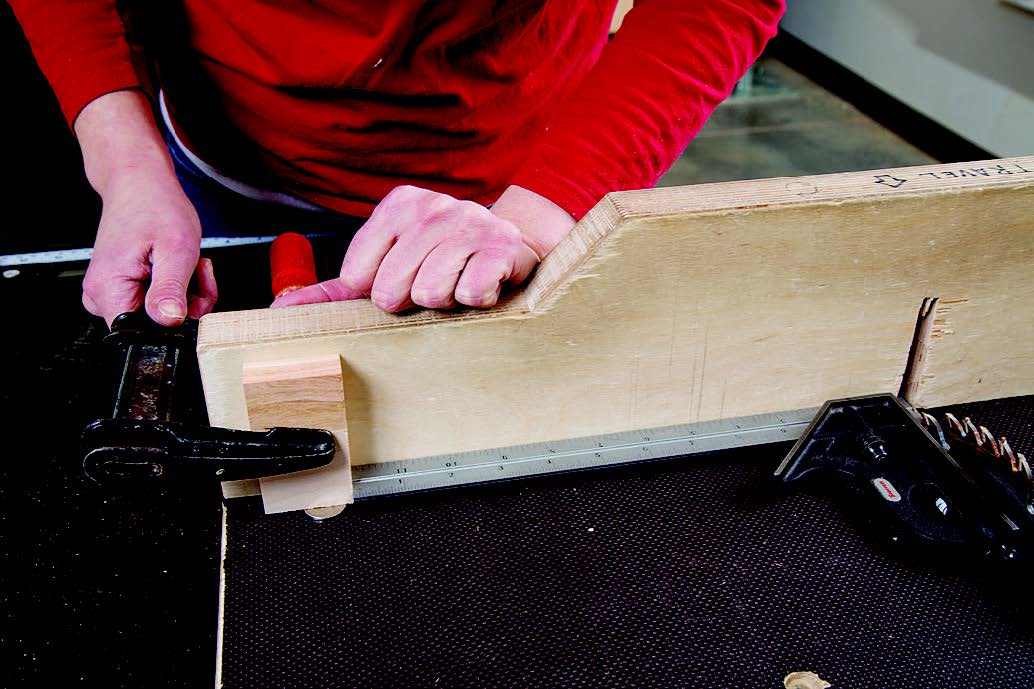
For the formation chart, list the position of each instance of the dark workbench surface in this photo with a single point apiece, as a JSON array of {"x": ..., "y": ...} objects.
[
  {"x": 100, "y": 587},
  {"x": 108, "y": 588}
]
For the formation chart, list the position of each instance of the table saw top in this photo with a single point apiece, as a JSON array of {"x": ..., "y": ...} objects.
[{"x": 560, "y": 581}]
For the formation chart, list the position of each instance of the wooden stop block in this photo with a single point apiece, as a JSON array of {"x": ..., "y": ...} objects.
[{"x": 302, "y": 394}]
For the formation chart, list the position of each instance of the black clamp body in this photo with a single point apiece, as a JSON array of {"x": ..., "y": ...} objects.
[
  {"x": 914, "y": 488},
  {"x": 159, "y": 428}
]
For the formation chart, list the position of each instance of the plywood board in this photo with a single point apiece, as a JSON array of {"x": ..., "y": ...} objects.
[{"x": 686, "y": 304}]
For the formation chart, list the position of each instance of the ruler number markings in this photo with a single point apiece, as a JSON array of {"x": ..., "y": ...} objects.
[{"x": 610, "y": 449}]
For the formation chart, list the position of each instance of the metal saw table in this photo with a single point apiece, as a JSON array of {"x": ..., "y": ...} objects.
[{"x": 667, "y": 574}]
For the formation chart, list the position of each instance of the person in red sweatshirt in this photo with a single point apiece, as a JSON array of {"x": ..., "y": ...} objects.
[{"x": 472, "y": 134}]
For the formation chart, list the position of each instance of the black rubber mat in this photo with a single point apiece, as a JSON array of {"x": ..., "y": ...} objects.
[{"x": 673, "y": 574}]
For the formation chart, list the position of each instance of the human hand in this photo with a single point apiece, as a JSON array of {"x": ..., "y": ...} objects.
[
  {"x": 428, "y": 249},
  {"x": 149, "y": 232}
]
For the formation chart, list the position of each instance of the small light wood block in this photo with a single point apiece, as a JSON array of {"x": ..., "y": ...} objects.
[{"x": 306, "y": 394}]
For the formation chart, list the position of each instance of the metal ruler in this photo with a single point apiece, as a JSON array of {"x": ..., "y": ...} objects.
[
  {"x": 522, "y": 461},
  {"x": 72, "y": 255}
]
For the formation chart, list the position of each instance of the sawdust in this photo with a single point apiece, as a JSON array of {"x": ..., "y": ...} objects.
[{"x": 804, "y": 680}]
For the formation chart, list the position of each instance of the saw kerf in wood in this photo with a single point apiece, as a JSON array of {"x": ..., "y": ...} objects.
[{"x": 679, "y": 305}]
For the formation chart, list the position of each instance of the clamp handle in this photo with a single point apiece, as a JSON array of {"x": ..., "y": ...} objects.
[{"x": 121, "y": 449}]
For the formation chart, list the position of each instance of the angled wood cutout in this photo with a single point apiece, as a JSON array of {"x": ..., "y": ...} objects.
[{"x": 678, "y": 305}]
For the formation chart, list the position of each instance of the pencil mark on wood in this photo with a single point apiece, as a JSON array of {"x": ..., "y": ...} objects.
[
  {"x": 671, "y": 340},
  {"x": 633, "y": 408},
  {"x": 890, "y": 181},
  {"x": 801, "y": 188},
  {"x": 703, "y": 373}
]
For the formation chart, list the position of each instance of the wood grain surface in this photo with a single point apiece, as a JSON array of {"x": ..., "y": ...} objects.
[{"x": 685, "y": 304}]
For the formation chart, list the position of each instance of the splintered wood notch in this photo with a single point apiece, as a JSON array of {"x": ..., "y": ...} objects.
[{"x": 672, "y": 306}]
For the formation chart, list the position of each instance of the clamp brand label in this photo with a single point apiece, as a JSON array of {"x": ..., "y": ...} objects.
[{"x": 886, "y": 489}]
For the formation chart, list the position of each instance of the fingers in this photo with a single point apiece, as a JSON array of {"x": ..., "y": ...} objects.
[
  {"x": 435, "y": 283},
  {"x": 173, "y": 262},
  {"x": 108, "y": 296},
  {"x": 483, "y": 278},
  {"x": 204, "y": 292},
  {"x": 486, "y": 272},
  {"x": 429, "y": 249},
  {"x": 393, "y": 282},
  {"x": 90, "y": 305},
  {"x": 398, "y": 210},
  {"x": 114, "y": 285},
  {"x": 112, "y": 295},
  {"x": 331, "y": 290}
]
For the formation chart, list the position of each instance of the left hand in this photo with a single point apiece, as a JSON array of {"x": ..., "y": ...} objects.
[{"x": 428, "y": 249}]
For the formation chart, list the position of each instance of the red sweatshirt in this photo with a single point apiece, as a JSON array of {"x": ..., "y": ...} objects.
[{"x": 340, "y": 101}]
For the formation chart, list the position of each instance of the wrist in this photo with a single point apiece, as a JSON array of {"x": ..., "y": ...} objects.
[
  {"x": 541, "y": 222},
  {"x": 120, "y": 140}
]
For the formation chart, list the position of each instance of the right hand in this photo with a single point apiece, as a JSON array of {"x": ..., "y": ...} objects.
[
  {"x": 149, "y": 237},
  {"x": 149, "y": 232}
]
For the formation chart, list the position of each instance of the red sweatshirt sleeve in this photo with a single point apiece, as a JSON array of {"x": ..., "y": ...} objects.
[
  {"x": 671, "y": 63},
  {"x": 80, "y": 46}
]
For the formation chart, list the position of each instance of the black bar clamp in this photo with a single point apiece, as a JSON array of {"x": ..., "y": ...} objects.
[{"x": 159, "y": 427}]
